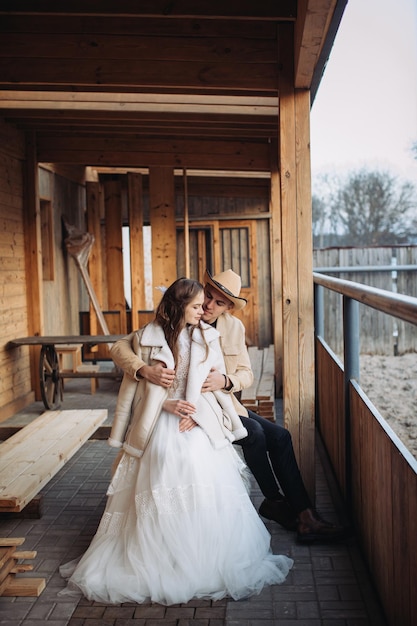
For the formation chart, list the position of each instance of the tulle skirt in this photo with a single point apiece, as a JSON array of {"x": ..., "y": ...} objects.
[{"x": 178, "y": 525}]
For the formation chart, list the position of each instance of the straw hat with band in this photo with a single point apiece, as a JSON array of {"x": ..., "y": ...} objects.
[{"x": 228, "y": 283}]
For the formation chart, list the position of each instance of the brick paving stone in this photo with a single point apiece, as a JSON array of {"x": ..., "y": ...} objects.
[
  {"x": 98, "y": 622},
  {"x": 118, "y": 612},
  {"x": 212, "y": 612},
  {"x": 286, "y": 609},
  {"x": 92, "y": 612},
  {"x": 309, "y": 610},
  {"x": 194, "y": 622},
  {"x": 150, "y": 611},
  {"x": 178, "y": 612}
]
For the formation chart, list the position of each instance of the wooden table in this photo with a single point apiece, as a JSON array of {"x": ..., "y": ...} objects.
[{"x": 51, "y": 383}]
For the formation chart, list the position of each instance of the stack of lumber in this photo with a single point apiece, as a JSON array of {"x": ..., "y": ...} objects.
[
  {"x": 11, "y": 565},
  {"x": 260, "y": 396}
]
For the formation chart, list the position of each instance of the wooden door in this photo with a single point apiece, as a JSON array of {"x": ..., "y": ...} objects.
[{"x": 221, "y": 245}]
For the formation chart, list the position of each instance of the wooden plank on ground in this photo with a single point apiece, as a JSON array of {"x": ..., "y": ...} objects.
[
  {"x": 28, "y": 587},
  {"x": 11, "y": 566},
  {"x": 40, "y": 452}
]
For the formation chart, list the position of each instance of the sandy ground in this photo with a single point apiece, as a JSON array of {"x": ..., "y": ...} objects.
[{"x": 390, "y": 382}]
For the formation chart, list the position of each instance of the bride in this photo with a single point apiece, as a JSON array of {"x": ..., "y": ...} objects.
[{"x": 178, "y": 523}]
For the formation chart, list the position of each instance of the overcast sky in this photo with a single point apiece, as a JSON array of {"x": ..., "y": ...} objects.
[{"x": 365, "y": 110}]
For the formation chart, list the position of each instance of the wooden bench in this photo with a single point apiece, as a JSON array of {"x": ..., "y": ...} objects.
[
  {"x": 33, "y": 455},
  {"x": 260, "y": 396}
]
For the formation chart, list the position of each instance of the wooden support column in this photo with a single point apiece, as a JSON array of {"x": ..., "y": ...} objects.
[
  {"x": 137, "y": 261},
  {"x": 186, "y": 227},
  {"x": 297, "y": 293},
  {"x": 114, "y": 251},
  {"x": 164, "y": 236},
  {"x": 95, "y": 262},
  {"x": 306, "y": 357},
  {"x": 276, "y": 264},
  {"x": 33, "y": 260}
]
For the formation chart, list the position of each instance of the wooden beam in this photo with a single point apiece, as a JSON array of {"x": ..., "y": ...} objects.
[
  {"x": 313, "y": 22},
  {"x": 137, "y": 152},
  {"x": 163, "y": 227}
]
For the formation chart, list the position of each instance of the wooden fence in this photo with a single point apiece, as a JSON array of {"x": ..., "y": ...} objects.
[
  {"x": 380, "y": 333},
  {"x": 376, "y": 473}
]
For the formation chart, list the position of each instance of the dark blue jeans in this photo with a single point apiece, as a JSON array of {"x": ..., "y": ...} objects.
[{"x": 269, "y": 454}]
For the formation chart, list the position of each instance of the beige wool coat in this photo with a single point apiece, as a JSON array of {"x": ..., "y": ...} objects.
[
  {"x": 233, "y": 345},
  {"x": 140, "y": 402}
]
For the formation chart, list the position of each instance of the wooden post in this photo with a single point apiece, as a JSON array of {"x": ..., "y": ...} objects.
[
  {"x": 95, "y": 263},
  {"x": 306, "y": 288},
  {"x": 297, "y": 285},
  {"x": 276, "y": 264},
  {"x": 164, "y": 236},
  {"x": 137, "y": 261},
  {"x": 114, "y": 250},
  {"x": 33, "y": 245},
  {"x": 186, "y": 227}
]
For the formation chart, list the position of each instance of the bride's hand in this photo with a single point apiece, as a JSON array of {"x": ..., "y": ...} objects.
[
  {"x": 182, "y": 408},
  {"x": 187, "y": 424}
]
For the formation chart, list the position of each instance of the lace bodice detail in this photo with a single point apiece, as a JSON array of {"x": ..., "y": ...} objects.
[{"x": 177, "y": 389}]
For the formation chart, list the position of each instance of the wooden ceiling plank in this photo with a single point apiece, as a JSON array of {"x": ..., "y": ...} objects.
[
  {"x": 137, "y": 26},
  {"x": 123, "y": 108},
  {"x": 80, "y": 46},
  {"x": 177, "y": 98},
  {"x": 224, "y": 76},
  {"x": 212, "y": 9}
]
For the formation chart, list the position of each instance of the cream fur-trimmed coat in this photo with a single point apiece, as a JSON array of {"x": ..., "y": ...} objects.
[{"x": 139, "y": 403}]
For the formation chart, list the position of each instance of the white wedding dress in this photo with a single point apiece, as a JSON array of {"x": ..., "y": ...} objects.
[{"x": 178, "y": 524}]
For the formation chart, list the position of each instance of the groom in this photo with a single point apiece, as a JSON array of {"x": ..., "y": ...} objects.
[{"x": 268, "y": 448}]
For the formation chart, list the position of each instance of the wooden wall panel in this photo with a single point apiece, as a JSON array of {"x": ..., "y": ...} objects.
[
  {"x": 15, "y": 381},
  {"x": 331, "y": 409},
  {"x": 384, "y": 485}
]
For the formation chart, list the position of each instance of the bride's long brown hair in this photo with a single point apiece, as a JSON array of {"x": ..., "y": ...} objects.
[{"x": 170, "y": 312}]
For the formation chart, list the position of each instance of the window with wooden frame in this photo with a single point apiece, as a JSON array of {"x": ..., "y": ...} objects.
[{"x": 235, "y": 252}]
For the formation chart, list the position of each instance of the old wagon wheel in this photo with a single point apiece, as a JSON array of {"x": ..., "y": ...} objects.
[{"x": 50, "y": 381}]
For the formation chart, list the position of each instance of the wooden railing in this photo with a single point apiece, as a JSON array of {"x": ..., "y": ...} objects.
[{"x": 376, "y": 473}]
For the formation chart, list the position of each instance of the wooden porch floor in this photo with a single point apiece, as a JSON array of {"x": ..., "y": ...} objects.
[{"x": 328, "y": 586}]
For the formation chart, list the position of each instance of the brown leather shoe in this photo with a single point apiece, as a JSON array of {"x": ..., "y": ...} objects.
[
  {"x": 279, "y": 511},
  {"x": 311, "y": 527}
]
